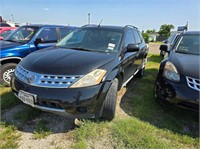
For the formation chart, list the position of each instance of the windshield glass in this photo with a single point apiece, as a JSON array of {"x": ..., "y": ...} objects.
[
  {"x": 92, "y": 39},
  {"x": 22, "y": 35},
  {"x": 188, "y": 44}
]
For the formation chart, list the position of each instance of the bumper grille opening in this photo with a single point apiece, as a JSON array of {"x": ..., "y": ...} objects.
[{"x": 49, "y": 104}]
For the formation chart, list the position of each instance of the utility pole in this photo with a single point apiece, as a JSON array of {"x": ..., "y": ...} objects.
[
  {"x": 88, "y": 18},
  {"x": 12, "y": 18}
]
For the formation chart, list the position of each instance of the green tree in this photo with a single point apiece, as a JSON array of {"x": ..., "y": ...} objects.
[
  {"x": 151, "y": 31},
  {"x": 165, "y": 30},
  {"x": 145, "y": 36}
]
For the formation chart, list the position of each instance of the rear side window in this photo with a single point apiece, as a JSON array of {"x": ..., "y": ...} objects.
[
  {"x": 48, "y": 35},
  {"x": 64, "y": 31}
]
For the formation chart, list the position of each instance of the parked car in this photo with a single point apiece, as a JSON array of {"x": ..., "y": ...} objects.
[
  {"x": 23, "y": 41},
  {"x": 169, "y": 42},
  {"x": 5, "y": 34},
  {"x": 80, "y": 76},
  {"x": 5, "y": 27},
  {"x": 178, "y": 79}
]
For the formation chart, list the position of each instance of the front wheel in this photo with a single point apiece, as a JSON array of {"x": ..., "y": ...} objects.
[
  {"x": 109, "y": 105},
  {"x": 6, "y": 72}
]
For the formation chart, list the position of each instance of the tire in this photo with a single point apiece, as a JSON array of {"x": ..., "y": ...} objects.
[
  {"x": 109, "y": 105},
  {"x": 159, "y": 96},
  {"x": 6, "y": 72}
]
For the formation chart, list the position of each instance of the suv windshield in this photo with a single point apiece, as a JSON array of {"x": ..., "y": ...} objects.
[
  {"x": 188, "y": 44},
  {"x": 22, "y": 35},
  {"x": 92, "y": 39}
]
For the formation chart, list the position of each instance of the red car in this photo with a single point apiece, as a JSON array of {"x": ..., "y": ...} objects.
[{"x": 5, "y": 27}]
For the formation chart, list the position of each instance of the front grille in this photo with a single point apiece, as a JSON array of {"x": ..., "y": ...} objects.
[
  {"x": 193, "y": 83},
  {"x": 45, "y": 80}
]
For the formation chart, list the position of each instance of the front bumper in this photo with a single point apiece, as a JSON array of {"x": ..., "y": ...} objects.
[
  {"x": 179, "y": 93},
  {"x": 70, "y": 102}
]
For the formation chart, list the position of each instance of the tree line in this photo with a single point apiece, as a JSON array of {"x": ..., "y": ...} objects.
[{"x": 163, "y": 33}]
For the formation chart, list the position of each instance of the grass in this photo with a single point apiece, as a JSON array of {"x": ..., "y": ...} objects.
[
  {"x": 41, "y": 130},
  {"x": 8, "y": 136},
  {"x": 149, "y": 125},
  {"x": 7, "y": 100},
  {"x": 26, "y": 114}
]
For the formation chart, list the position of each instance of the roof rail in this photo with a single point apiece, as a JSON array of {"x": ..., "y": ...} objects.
[
  {"x": 88, "y": 25},
  {"x": 130, "y": 26}
]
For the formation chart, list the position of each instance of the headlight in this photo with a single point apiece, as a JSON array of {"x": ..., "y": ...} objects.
[
  {"x": 170, "y": 72},
  {"x": 90, "y": 79}
]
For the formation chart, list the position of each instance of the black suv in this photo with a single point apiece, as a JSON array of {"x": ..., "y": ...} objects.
[
  {"x": 80, "y": 76},
  {"x": 178, "y": 79}
]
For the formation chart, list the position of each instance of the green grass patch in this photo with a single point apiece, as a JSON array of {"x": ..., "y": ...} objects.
[
  {"x": 8, "y": 136},
  {"x": 27, "y": 114},
  {"x": 150, "y": 125},
  {"x": 41, "y": 130},
  {"x": 89, "y": 130},
  {"x": 7, "y": 100}
]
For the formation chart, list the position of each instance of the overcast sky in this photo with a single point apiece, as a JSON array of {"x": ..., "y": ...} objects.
[{"x": 145, "y": 14}]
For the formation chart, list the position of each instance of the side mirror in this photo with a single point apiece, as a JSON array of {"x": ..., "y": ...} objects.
[
  {"x": 37, "y": 41},
  {"x": 1, "y": 38},
  {"x": 164, "y": 41},
  {"x": 164, "y": 47},
  {"x": 132, "y": 48}
]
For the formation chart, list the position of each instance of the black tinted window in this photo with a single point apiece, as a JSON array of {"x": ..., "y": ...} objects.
[
  {"x": 137, "y": 37},
  {"x": 129, "y": 39},
  {"x": 64, "y": 31},
  {"x": 48, "y": 35},
  {"x": 4, "y": 25}
]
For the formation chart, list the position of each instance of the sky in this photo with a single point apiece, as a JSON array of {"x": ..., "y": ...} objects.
[{"x": 144, "y": 14}]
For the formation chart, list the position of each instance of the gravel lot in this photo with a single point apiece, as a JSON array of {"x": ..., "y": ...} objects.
[{"x": 154, "y": 48}]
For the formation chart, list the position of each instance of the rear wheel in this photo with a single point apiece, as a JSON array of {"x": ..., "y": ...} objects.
[
  {"x": 109, "y": 105},
  {"x": 6, "y": 72}
]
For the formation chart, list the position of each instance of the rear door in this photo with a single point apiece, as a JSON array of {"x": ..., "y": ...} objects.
[
  {"x": 142, "y": 49},
  {"x": 128, "y": 58}
]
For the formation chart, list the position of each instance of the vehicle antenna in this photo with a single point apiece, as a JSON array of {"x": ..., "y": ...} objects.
[{"x": 100, "y": 23}]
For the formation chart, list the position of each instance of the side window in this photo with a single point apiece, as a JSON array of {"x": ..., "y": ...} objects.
[
  {"x": 137, "y": 37},
  {"x": 141, "y": 37},
  {"x": 129, "y": 39},
  {"x": 64, "y": 31},
  {"x": 48, "y": 35}
]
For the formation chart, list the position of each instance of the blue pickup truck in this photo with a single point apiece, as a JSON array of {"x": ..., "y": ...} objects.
[{"x": 23, "y": 41}]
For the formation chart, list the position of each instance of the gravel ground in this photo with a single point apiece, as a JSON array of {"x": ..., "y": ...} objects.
[{"x": 154, "y": 48}]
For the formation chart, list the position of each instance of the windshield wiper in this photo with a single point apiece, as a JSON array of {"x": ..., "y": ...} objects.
[
  {"x": 81, "y": 49},
  {"x": 184, "y": 52},
  {"x": 11, "y": 40}
]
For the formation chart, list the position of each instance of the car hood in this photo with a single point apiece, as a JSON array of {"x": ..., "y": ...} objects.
[
  {"x": 60, "y": 61},
  {"x": 7, "y": 45},
  {"x": 186, "y": 64}
]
